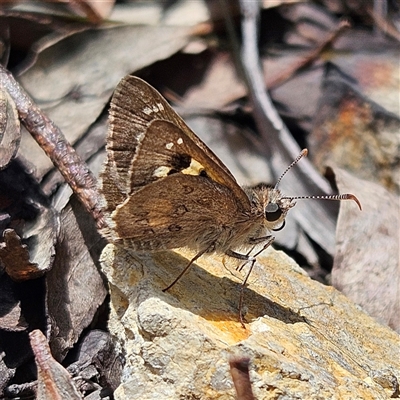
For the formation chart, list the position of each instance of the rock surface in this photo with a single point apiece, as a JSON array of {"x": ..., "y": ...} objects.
[{"x": 305, "y": 340}]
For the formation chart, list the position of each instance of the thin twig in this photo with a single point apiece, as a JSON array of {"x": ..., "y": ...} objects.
[
  {"x": 308, "y": 59},
  {"x": 50, "y": 138},
  {"x": 384, "y": 24},
  {"x": 282, "y": 148}
]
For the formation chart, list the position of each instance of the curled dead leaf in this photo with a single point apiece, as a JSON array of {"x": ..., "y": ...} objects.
[{"x": 366, "y": 265}]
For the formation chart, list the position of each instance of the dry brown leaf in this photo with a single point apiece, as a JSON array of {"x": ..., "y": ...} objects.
[
  {"x": 235, "y": 145},
  {"x": 95, "y": 11},
  {"x": 10, "y": 133},
  {"x": 377, "y": 76},
  {"x": 11, "y": 317},
  {"x": 289, "y": 96},
  {"x": 6, "y": 373},
  {"x": 21, "y": 310},
  {"x": 366, "y": 266},
  {"x": 29, "y": 251},
  {"x": 97, "y": 360},
  {"x": 89, "y": 146},
  {"x": 14, "y": 256},
  {"x": 180, "y": 13},
  {"x": 355, "y": 133},
  {"x": 100, "y": 58},
  {"x": 41, "y": 236},
  {"x": 75, "y": 288},
  {"x": 30, "y": 260},
  {"x": 220, "y": 85}
]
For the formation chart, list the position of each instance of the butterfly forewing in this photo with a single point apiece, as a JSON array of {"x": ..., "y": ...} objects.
[
  {"x": 165, "y": 150},
  {"x": 135, "y": 104},
  {"x": 148, "y": 143}
]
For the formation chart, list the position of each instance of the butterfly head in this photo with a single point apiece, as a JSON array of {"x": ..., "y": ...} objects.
[
  {"x": 275, "y": 209},
  {"x": 269, "y": 204},
  {"x": 275, "y": 206}
]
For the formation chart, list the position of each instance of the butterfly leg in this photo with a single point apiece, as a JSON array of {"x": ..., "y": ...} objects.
[
  {"x": 260, "y": 240},
  {"x": 198, "y": 255},
  {"x": 254, "y": 242},
  {"x": 251, "y": 260}
]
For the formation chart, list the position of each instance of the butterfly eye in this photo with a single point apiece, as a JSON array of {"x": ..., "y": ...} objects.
[{"x": 272, "y": 212}]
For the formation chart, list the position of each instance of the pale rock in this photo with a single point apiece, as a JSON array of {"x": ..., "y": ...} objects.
[{"x": 305, "y": 340}]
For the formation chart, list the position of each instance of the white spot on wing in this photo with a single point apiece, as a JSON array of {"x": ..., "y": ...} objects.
[
  {"x": 153, "y": 109},
  {"x": 169, "y": 146},
  {"x": 147, "y": 110},
  {"x": 195, "y": 168},
  {"x": 161, "y": 172},
  {"x": 179, "y": 141}
]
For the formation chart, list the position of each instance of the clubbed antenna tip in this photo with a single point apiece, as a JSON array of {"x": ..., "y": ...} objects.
[
  {"x": 349, "y": 196},
  {"x": 346, "y": 196}
]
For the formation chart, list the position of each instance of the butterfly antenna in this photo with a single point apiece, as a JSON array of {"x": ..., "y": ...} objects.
[
  {"x": 303, "y": 153},
  {"x": 346, "y": 196}
]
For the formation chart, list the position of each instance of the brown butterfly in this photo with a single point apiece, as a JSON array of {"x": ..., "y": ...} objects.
[{"x": 163, "y": 188}]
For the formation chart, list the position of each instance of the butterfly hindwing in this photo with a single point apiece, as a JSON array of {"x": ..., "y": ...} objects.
[{"x": 162, "y": 215}]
